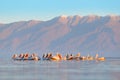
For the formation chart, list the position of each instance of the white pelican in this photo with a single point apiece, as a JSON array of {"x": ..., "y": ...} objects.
[
  {"x": 57, "y": 57},
  {"x": 69, "y": 57},
  {"x": 99, "y": 58},
  {"x": 89, "y": 57},
  {"x": 14, "y": 56}
]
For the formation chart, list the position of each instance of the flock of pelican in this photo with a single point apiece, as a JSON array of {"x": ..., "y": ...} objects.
[
  {"x": 26, "y": 56},
  {"x": 57, "y": 57}
]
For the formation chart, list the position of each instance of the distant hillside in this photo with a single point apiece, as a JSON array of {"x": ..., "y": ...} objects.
[{"x": 80, "y": 33}]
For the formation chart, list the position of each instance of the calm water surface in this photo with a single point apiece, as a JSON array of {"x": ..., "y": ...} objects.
[{"x": 64, "y": 70}]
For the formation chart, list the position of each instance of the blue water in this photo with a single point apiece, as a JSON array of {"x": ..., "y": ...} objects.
[{"x": 63, "y": 70}]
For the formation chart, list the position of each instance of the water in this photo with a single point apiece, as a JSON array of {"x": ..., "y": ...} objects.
[{"x": 63, "y": 70}]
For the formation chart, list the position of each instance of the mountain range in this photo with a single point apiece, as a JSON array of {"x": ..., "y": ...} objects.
[{"x": 90, "y": 33}]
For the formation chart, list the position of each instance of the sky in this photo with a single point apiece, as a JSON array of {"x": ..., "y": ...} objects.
[{"x": 23, "y": 10}]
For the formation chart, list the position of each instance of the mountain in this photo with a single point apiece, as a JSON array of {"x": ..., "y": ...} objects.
[{"x": 90, "y": 33}]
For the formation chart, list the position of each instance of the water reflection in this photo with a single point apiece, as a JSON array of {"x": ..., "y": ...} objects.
[{"x": 63, "y": 70}]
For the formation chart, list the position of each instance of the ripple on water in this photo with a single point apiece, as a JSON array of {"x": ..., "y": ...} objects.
[{"x": 63, "y": 70}]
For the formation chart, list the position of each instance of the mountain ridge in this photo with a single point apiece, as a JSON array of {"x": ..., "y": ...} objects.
[
  {"x": 90, "y": 33},
  {"x": 65, "y": 16}
]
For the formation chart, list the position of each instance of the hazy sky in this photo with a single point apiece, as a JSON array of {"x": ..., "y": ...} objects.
[{"x": 17, "y": 10}]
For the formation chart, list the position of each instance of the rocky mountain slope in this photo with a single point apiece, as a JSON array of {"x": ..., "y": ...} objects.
[{"x": 63, "y": 33}]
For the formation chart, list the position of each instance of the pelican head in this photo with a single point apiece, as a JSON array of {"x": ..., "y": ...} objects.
[{"x": 14, "y": 56}]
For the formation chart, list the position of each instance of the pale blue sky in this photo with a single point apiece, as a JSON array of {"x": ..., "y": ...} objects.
[{"x": 17, "y": 10}]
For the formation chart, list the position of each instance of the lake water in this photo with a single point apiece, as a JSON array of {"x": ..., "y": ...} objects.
[{"x": 63, "y": 70}]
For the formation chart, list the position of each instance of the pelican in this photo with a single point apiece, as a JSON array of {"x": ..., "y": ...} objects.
[
  {"x": 89, "y": 57},
  {"x": 77, "y": 57},
  {"x": 21, "y": 56},
  {"x": 83, "y": 58},
  {"x": 57, "y": 57},
  {"x": 14, "y": 56},
  {"x": 26, "y": 56},
  {"x": 69, "y": 57},
  {"x": 34, "y": 57},
  {"x": 47, "y": 56},
  {"x": 99, "y": 58},
  {"x": 44, "y": 57}
]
